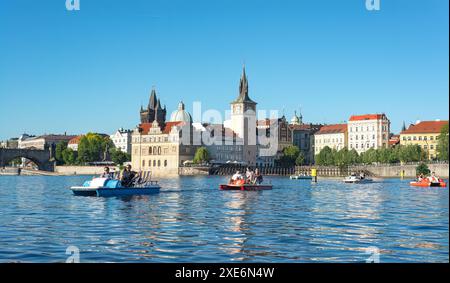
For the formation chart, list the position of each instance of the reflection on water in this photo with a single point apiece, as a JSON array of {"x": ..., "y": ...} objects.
[{"x": 191, "y": 220}]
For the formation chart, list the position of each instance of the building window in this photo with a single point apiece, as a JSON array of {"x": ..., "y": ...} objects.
[
  {"x": 414, "y": 138},
  {"x": 159, "y": 150},
  {"x": 165, "y": 163},
  {"x": 431, "y": 138},
  {"x": 143, "y": 163},
  {"x": 154, "y": 163},
  {"x": 149, "y": 150},
  {"x": 425, "y": 147},
  {"x": 159, "y": 163},
  {"x": 431, "y": 146},
  {"x": 420, "y": 138}
]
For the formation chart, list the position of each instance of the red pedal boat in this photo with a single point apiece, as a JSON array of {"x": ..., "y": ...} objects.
[
  {"x": 427, "y": 183},
  {"x": 240, "y": 185}
]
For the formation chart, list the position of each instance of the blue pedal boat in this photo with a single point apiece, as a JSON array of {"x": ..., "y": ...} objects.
[{"x": 103, "y": 187}]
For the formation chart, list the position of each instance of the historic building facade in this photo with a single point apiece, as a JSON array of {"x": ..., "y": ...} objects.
[
  {"x": 278, "y": 132},
  {"x": 159, "y": 146},
  {"x": 424, "y": 134},
  {"x": 122, "y": 140},
  {"x": 333, "y": 136},
  {"x": 368, "y": 131}
]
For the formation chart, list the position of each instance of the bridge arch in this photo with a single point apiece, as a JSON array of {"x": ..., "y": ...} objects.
[{"x": 42, "y": 158}]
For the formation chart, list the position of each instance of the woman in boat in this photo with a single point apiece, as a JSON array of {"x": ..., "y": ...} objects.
[
  {"x": 106, "y": 173},
  {"x": 127, "y": 176}
]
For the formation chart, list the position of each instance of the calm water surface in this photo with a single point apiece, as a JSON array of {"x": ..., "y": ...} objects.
[{"x": 192, "y": 221}]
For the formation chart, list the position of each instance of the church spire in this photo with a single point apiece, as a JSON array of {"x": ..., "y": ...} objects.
[
  {"x": 243, "y": 90},
  {"x": 153, "y": 99}
]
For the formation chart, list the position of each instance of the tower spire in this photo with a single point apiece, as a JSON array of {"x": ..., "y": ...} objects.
[{"x": 243, "y": 89}]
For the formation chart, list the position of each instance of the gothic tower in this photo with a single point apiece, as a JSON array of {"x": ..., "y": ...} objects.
[
  {"x": 153, "y": 111},
  {"x": 243, "y": 110}
]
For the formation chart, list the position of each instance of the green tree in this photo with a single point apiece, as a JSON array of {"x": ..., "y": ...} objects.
[
  {"x": 422, "y": 169},
  {"x": 411, "y": 153},
  {"x": 325, "y": 157},
  {"x": 60, "y": 147},
  {"x": 69, "y": 156},
  {"x": 289, "y": 156},
  {"x": 300, "y": 160},
  {"x": 201, "y": 155},
  {"x": 119, "y": 157},
  {"x": 442, "y": 146},
  {"x": 92, "y": 147}
]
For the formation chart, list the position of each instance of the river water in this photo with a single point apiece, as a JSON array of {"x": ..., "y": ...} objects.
[{"x": 190, "y": 220}]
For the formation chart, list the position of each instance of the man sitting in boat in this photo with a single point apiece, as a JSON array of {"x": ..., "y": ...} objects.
[
  {"x": 106, "y": 174},
  {"x": 257, "y": 177},
  {"x": 127, "y": 176}
]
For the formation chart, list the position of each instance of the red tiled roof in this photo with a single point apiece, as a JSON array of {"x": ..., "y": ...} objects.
[
  {"x": 332, "y": 129},
  {"x": 75, "y": 140},
  {"x": 425, "y": 127},
  {"x": 169, "y": 126},
  {"x": 146, "y": 127},
  {"x": 367, "y": 117},
  {"x": 395, "y": 139}
]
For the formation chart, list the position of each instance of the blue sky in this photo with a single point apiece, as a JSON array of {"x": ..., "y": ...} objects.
[{"x": 90, "y": 70}]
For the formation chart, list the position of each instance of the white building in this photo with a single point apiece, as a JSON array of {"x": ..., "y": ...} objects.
[
  {"x": 368, "y": 131},
  {"x": 333, "y": 136},
  {"x": 122, "y": 140}
]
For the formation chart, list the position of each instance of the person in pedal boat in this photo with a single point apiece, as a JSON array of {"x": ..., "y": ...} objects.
[
  {"x": 249, "y": 175},
  {"x": 236, "y": 177},
  {"x": 106, "y": 173},
  {"x": 257, "y": 177},
  {"x": 433, "y": 178},
  {"x": 127, "y": 176}
]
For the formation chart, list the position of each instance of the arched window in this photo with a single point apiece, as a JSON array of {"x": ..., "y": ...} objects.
[
  {"x": 159, "y": 163},
  {"x": 159, "y": 150},
  {"x": 165, "y": 163},
  {"x": 149, "y": 150},
  {"x": 154, "y": 150},
  {"x": 154, "y": 163}
]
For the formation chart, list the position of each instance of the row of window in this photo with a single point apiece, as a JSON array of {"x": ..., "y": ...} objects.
[
  {"x": 319, "y": 141},
  {"x": 154, "y": 163},
  {"x": 362, "y": 146},
  {"x": 420, "y": 138},
  {"x": 362, "y": 137},
  {"x": 361, "y": 128}
]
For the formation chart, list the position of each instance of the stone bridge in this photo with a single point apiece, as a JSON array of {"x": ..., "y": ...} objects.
[{"x": 42, "y": 158}]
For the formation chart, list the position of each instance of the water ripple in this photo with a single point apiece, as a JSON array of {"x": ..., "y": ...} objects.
[{"x": 191, "y": 220}]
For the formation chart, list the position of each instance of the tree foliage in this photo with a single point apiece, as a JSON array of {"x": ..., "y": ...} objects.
[
  {"x": 422, "y": 169},
  {"x": 201, "y": 155},
  {"x": 289, "y": 156},
  {"x": 442, "y": 147},
  {"x": 92, "y": 147},
  {"x": 345, "y": 157},
  {"x": 60, "y": 147},
  {"x": 119, "y": 157},
  {"x": 69, "y": 156}
]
